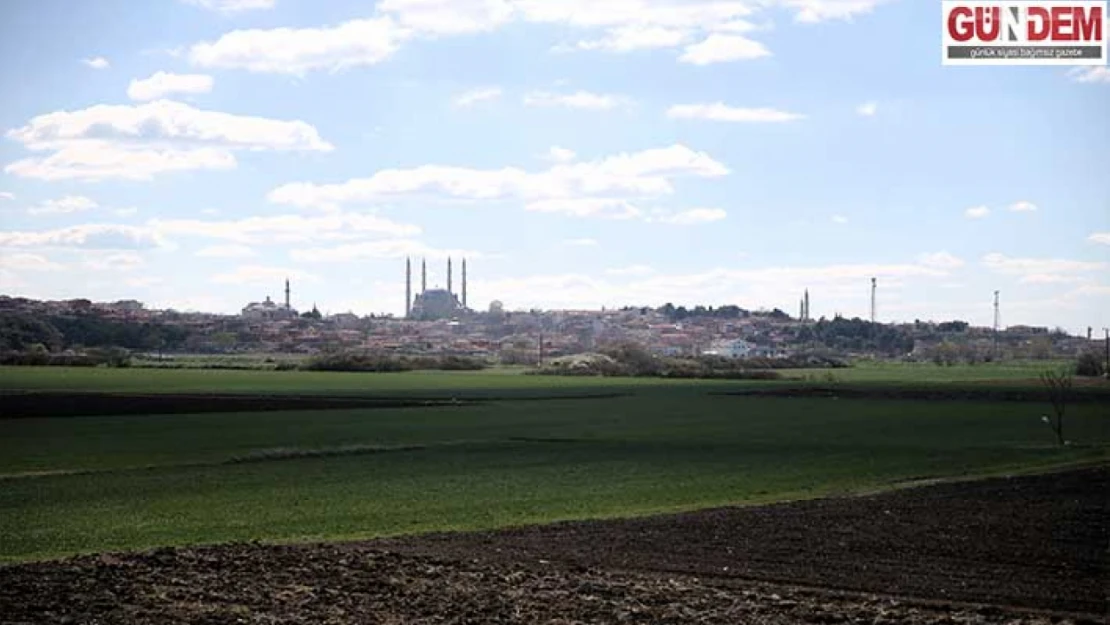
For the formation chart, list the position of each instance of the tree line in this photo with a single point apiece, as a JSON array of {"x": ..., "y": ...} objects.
[{"x": 23, "y": 332}]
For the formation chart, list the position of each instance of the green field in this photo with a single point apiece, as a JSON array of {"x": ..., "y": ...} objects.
[
  {"x": 425, "y": 382},
  {"x": 80, "y": 484}
]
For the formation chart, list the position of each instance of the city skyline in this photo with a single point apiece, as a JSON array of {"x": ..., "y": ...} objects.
[{"x": 194, "y": 155}]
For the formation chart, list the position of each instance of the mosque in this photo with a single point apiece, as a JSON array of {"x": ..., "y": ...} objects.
[
  {"x": 434, "y": 304},
  {"x": 270, "y": 310}
]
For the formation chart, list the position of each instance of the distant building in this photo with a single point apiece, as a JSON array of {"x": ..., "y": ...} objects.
[
  {"x": 434, "y": 304},
  {"x": 735, "y": 348},
  {"x": 127, "y": 305},
  {"x": 345, "y": 320},
  {"x": 270, "y": 310}
]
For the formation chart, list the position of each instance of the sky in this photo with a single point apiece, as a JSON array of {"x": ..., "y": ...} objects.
[{"x": 192, "y": 154}]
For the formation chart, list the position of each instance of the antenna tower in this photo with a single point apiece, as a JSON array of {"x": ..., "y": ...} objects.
[
  {"x": 998, "y": 321},
  {"x": 874, "y": 287}
]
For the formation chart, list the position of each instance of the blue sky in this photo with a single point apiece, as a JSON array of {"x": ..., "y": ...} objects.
[{"x": 192, "y": 153}]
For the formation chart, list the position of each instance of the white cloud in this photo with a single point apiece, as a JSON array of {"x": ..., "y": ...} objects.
[
  {"x": 227, "y": 251},
  {"x": 387, "y": 249},
  {"x": 126, "y": 212},
  {"x": 638, "y": 174},
  {"x": 124, "y": 261},
  {"x": 839, "y": 219},
  {"x": 143, "y": 282},
  {"x": 734, "y": 26},
  {"x": 822, "y": 10},
  {"x": 617, "y": 26},
  {"x": 1049, "y": 278},
  {"x": 1023, "y": 207},
  {"x": 721, "y": 112},
  {"x": 868, "y": 109},
  {"x": 99, "y": 160},
  {"x": 232, "y": 6},
  {"x": 1089, "y": 290},
  {"x": 299, "y": 50},
  {"x": 260, "y": 274},
  {"x": 1094, "y": 73},
  {"x": 27, "y": 262},
  {"x": 691, "y": 14},
  {"x": 576, "y": 100},
  {"x": 977, "y": 212},
  {"x": 765, "y": 286},
  {"x": 561, "y": 155},
  {"x": 605, "y": 208},
  {"x": 161, "y": 84},
  {"x": 448, "y": 17},
  {"x": 285, "y": 228},
  {"x": 637, "y": 37},
  {"x": 580, "y": 242},
  {"x": 940, "y": 260},
  {"x": 1100, "y": 237},
  {"x": 98, "y": 62},
  {"x": 474, "y": 96},
  {"x": 695, "y": 216},
  {"x": 4, "y": 195},
  {"x": 139, "y": 141},
  {"x": 67, "y": 204},
  {"x": 89, "y": 236},
  {"x": 718, "y": 48},
  {"x": 1001, "y": 263},
  {"x": 631, "y": 270},
  {"x": 165, "y": 120}
]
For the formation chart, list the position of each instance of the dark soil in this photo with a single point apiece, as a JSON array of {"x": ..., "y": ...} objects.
[
  {"x": 1037, "y": 542},
  {"x": 1030, "y": 549}
]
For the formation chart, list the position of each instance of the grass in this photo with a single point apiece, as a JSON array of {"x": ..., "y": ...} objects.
[
  {"x": 439, "y": 382},
  {"x": 299, "y": 382},
  {"x": 83, "y": 484},
  {"x": 902, "y": 372}
]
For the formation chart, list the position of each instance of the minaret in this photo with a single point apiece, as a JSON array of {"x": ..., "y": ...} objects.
[
  {"x": 464, "y": 287},
  {"x": 408, "y": 287},
  {"x": 423, "y": 276},
  {"x": 449, "y": 275},
  {"x": 807, "y": 317},
  {"x": 287, "y": 306}
]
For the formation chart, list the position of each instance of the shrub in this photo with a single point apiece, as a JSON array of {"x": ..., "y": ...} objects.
[
  {"x": 39, "y": 359},
  {"x": 708, "y": 368},
  {"x": 1090, "y": 365},
  {"x": 115, "y": 357},
  {"x": 380, "y": 362}
]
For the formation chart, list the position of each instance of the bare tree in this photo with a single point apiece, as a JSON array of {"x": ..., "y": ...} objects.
[{"x": 1058, "y": 384}]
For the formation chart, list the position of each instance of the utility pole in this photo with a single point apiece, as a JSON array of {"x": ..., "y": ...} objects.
[
  {"x": 1107, "y": 331},
  {"x": 996, "y": 323},
  {"x": 874, "y": 287},
  {"x": 541, "y": 347},
  {"x": 874, "y": 340}
]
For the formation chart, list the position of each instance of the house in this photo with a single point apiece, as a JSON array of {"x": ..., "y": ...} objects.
[{"x": 732, "y": 348}]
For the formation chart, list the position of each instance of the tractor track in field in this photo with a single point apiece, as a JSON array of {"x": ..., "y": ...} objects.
[
  {"x": 1031, "y": 549},
  {"x": 16, "y": 405},
  {"x": 1091, "y": 393}
]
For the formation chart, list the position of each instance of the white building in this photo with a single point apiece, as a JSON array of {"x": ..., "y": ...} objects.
[
  {"x": 733, "y": 348},
  {"x": 268, "y": 311}
]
